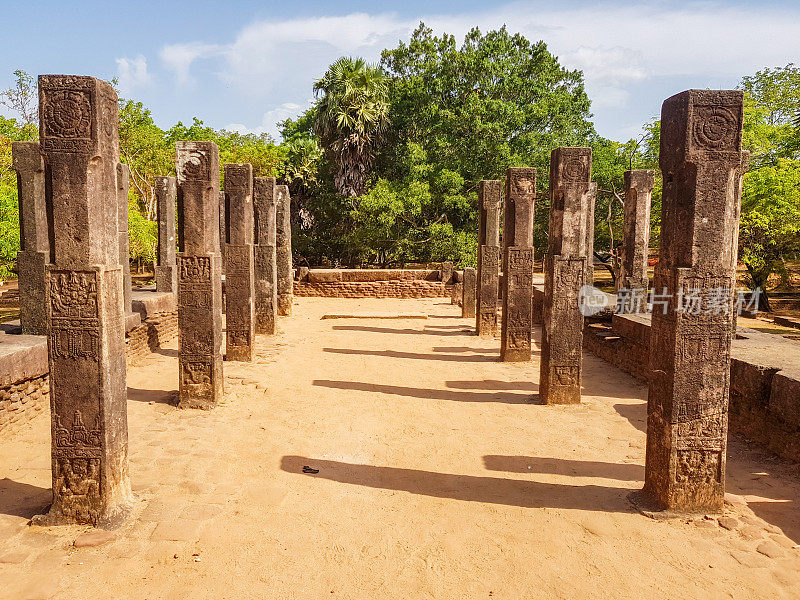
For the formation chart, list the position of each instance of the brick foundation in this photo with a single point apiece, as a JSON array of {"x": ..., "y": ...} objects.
[{"x": 371, "y": 283}]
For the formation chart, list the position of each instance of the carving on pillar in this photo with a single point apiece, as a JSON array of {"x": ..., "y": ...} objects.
[
  {"x": 488, "y": 275},
  {"x": 567, "y": 270},
  {"x": 468, "y": 299},
  {"x": 283, "y": 249},
  {"x": 266, "y": 268},
  {"x": 200, "y": 380},
  {"x": 636, "y": 239},
  {"x": 34, "y": 251},
  {"x": 123, "y": 187},
  {"x": 83, "y": 300},
  {"x": 166, "y": 270},
  {"x": 691, "y": 337},
  {"x": 515, "y": 333}
]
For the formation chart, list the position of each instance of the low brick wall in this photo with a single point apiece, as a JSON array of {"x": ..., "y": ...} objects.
[
  {"x": 765, "y": 378},
  {"x": 159, "y": 326},
  {"x": 371, "y": 283},
  {"x": 24, "y": 381},
  {"x": 21, "y": 401}
]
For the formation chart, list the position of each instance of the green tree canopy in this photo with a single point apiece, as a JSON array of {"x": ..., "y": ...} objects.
[{"x": 350, "y": 118}]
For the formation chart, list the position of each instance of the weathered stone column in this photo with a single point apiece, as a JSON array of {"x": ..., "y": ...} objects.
[
  {"x": 515, "y": 333},
  {"x": 222, "y": 234},
  {"x": 34, "y": 252},
  {"x": 166, "y": 271},
  {"x": 564, "y": 275},
  {"x": 200, "y": 378},
  {"x": 690, "y": 341},
  {"x": 447, "y": 272},
  {"x": 239, "y": 279},
  {"x": 123, "y": 187},
  {"x": 488, "y": 276},
  {"x": 743, "y": 169},
  {"x": 283, "y": 250},
  {"x": 636, "y": 240},
  {"x": 468, "y": 293},
  {"x": 591, "y": 197},
  {"x": 86, "y": 323},
  {"x": 266, "y": 268}
]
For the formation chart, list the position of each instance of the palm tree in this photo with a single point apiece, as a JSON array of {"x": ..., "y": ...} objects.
[{"x": 351, "y": 117}]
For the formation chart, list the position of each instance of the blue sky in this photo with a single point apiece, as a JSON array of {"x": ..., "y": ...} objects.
[{"x": 245, "y": 65}]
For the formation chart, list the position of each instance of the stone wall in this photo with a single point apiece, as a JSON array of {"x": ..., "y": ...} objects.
[
  {"x": 765, "y": 378},
  {"x": 159, "y": 324},
  {"x": 21, "y": 401},
  {"x": 371, "y": 283}
]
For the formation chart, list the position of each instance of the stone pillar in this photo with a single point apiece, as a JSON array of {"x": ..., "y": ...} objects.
[
  {"x": 564, "y": 275},
  {"x": 515, "y": 331},
  {"x": 468, "y": 291},
  {"x": 200, "y": 378},
  {"x": 690, "y": 339},
  {"x": 222, "y": 235},
  {"x": 283, "y": 251},
  {"x": 34, "y": 252},
  {"x": 591, "y": 197},
  {"x": 636, "y": 240},
  {"x": 744, "y": 168},
  {"x": 447, "y": 272},
  {"x": 123, "y": 187},
  {"x": 239, "y": 279},
  {"x": 488, "y": 276},
  {"x": 86, "y": 322},
  {"x": 266, "y": 269},
  {"x": 166, "y": 271}
]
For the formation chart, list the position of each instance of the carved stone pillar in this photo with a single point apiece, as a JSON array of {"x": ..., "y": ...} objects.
[
  {"x": 283, "y": 251},
  {"x": 239, "y": 279},
  {"x": 199, "y": 275},
  {"x": 690, "y": 339},
  {"x": 266, "y": 267},
  {"x": 515, "y": 334},
  {"x": 166, "y": 271},
  {"x": 633, "y": 281},
  {"x": 34, "y": 252},
  {"x": 565, "y": 269},
  {"x": 488, "y": 276},
  {"x": 86, "y": 324}
]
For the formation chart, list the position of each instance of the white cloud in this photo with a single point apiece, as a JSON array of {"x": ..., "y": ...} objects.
[
  {"x": 270, "y": 120},
  {"x": 625, "y": 49},
  {"x": 178, "y": 58},
  {"x": 132, "y": 73}
]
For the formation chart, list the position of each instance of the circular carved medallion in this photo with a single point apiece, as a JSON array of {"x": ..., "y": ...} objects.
[
  {"x": 69, "y": 114},
  {"x": 715, "y": 128}
]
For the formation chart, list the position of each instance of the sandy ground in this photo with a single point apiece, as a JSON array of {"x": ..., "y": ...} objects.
[{"x": 438, "y": 478}]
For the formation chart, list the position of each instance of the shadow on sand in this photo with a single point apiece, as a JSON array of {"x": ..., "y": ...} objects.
[
  {"x": 470, "y": 488},
  {"x": 425, "y": 393},
  {"x": 158, "y": 396},
  {"x": 22, "y": 499}
]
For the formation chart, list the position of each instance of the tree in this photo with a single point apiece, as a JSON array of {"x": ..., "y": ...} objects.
[
  {"x": 496, "y": 100},
  {"x": 23, "y": 97},
  {"x": 462, "y": 113},
  {"x": 350, "y": 118},
  {"x": 770, "y": 222}
]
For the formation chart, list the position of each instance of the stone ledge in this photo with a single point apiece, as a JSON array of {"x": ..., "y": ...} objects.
[
  {"x": 22, "y": 357},
  {"x": 146, "y": 303}
]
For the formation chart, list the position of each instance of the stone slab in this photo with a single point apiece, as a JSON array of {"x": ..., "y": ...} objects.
[{"x": 375, "y": 315}]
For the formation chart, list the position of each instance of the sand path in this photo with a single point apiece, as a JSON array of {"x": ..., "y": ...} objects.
[{"x": 437, "y": 479}]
